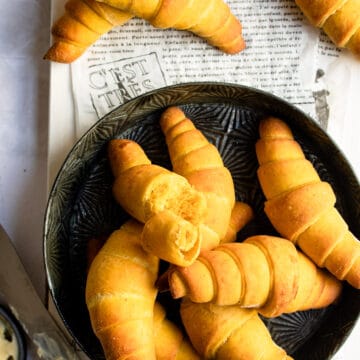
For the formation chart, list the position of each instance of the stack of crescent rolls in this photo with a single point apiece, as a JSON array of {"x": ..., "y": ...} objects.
[{"x": 188, "y": 218}]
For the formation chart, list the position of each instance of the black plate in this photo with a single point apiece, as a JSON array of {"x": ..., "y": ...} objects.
[{"x": 81, "y": 206}]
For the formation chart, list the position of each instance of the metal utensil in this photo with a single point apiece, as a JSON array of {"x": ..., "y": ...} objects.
[{"x": 18, "y": 291}]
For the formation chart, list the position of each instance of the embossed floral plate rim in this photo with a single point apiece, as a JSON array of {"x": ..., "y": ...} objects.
[{"x": 323, "y": 343}]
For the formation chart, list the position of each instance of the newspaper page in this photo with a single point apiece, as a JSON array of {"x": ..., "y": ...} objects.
[
  {"x": 136, "y": 57},
  {"x": 284, "y": 55},
  {"x": 282, "y": 49}
]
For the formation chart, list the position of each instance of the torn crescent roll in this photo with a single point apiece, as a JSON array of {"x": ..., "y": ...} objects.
[
  {"x": 172, "y": 238},
  {"x": 263, "y": 272},
  {"x": 228, "y": 332},
  {"x": 83, "y": 22},
  {"x": 200, "y": 162}
]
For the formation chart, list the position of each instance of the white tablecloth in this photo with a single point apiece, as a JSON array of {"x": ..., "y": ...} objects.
[{"x": 24, "y": 100}]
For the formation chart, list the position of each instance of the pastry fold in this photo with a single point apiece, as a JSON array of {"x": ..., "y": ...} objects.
[{"x": 301, "y": 206}]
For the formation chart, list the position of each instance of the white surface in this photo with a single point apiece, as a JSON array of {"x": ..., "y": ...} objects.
[
  {"x": 24, "y": 100},
  {"x": 24, "y": 131},
  {"x": 23, "y": 128}
]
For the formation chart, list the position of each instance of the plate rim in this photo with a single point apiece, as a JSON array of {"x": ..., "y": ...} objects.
[{"x": 146, "y": 97}]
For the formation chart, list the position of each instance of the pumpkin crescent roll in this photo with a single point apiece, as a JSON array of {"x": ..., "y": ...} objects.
[
  {"x": 263, "y": 272},
  {"x": 172, "y": 238},
  {"x": 340, "y": 20},
  {"x": 145, "y": 189},
  {"x": 301, "y": 206},
  {"x": 183, "y": 238},
  {"x": 241, "y": 215},
  {"x": 199, "y": 161},
  {"x": 209, "y": 19},
  {"x": 120, "y": 295},
  {"x": 83, "y": 22},
  {"x": 170, "y": 343},
  {"x": 228, "y": 332},
  {"x": 171, "y": 209}
]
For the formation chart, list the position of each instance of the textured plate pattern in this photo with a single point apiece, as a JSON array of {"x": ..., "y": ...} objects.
[
  {"x": 81, "y": 206},
  {"x": 297, "y": 327}
]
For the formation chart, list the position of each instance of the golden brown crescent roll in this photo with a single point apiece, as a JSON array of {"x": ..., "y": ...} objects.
[
  {"x": 199, "y": 161},
  {"x": 340, "y": 20},
  {"x": 170, "y": 343},
  {"x": 120, "y": 295},
  {"x": 241, "y": 215},
  {"x": 263, "y": 272},
  {"x": 301, "y": 206},
  {"x": 171, "y": 209},
  {"x": 228, "y": 332},
  {"x": 83, "y": 22}
]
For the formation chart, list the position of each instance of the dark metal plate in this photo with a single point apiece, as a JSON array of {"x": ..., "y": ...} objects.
[{"x": 81, "y": 206}]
